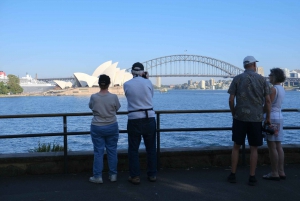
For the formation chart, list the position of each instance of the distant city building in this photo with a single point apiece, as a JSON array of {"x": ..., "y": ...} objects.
[
  {"x": 286, "y": 71},
  {"x": 190, "y": 82},
  {"x": 202, "y": 84},
  {"x": 3, "y": 75},
  {"x": 260, "y": 70},
  {"x": 158, "y": 81},
  {"x": 212, "y": 82},
  {"x": 220, "y": 84},
  {"x": 294, "y": 74}
]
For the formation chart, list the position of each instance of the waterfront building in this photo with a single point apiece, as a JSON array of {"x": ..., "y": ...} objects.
[
  {"x": 63, "y": 84},
  {"x": 260, "y": 70},
  {"x": 3, "y": 75},
  {"x": 158, "y": 81},
  {"x": 220, "y": 84},
  {"x": 202, "y": 84},
  {"x": 294, "y": 74},
  {"x": 286, "y": 71},
  {"x": 117, "y": 76},
  {"x": 212, "y": 82}
]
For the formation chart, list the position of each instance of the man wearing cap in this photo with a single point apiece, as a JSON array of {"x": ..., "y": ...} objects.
[
  {"x": 251, "y": 92},
  {"x": 141, "y": 123}
]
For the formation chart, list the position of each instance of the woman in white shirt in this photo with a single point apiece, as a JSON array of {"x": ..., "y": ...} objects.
[{"x": 276, "y": 153}]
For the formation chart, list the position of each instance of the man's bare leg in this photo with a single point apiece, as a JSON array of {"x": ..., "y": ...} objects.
[
  {"x": 235, "y": 157},
  {"x": 253, "y": 160}
]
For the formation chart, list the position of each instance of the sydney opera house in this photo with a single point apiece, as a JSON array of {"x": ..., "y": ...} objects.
[{"x": 117, "y": 77}]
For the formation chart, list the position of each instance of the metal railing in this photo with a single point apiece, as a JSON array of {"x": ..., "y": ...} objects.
[{"x": 65, "y": 132}]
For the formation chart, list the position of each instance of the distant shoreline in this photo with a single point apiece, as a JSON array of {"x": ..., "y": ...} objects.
[
  {"x": 82, "y": 91},
  {"x": 86, "y": 91}
]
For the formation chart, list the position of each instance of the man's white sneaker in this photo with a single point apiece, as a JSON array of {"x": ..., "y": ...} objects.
[
  {"x": 96, "y": 180},
  {"x": 113, "y": 177}
]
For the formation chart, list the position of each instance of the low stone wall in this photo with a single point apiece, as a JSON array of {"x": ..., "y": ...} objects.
[{"x": 53, "y": 163}]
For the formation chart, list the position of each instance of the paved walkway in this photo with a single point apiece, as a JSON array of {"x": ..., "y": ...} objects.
[{"x": 189, "y": 184}]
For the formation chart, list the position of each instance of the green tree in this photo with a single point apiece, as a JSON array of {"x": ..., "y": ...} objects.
[
  {"x": 3, "y": 88},
  {"x": 13, "y": 84}
]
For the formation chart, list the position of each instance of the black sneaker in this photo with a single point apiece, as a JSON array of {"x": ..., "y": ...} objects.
[
  {"x": 152, "y": 178},
  {"x": 231, "y": 178},
  {"x": 252, "y": 181}
]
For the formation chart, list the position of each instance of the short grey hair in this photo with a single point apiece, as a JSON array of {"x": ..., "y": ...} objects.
[
  {"x": 249, "y": 65},
  {"x": 139, "y": 72}
]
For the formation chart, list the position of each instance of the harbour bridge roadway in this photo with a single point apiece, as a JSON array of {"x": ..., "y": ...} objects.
[
  {"x": 72, "y": 78},
  {"x": 186, "y": 66},
  {"x": 289, "y": 81}
]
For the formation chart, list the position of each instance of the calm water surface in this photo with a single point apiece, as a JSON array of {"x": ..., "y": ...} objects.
[{"x": 172, "y": 100}]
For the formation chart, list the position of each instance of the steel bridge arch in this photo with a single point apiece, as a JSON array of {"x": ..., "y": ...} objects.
[{"x": 228, "y": 69}]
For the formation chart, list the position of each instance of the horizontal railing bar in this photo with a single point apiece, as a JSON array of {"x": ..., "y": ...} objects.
[
  {"x": 41, "y": 135},
  {"x": 44, "y": 115},
  {"x": 50, "y": 134},
  {"x": 193, "y": 129},
  {"x": 125, "y": 131},
  {"x": 190, "y": 111},
  {"x": 211, "y": 111},
  {"x": 291, "y": 128},
  {"x": 51, "y": 115},
  {"x": 210, "y": 129},
  {"x": 290, "y": 110},
  {"x": 124, "y": 113}
]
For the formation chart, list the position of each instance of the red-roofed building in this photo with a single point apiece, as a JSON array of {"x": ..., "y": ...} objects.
[{"x": 2, "y": 75}]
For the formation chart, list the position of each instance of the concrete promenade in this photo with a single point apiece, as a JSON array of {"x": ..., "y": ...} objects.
[{"x": 172, "y": 184}]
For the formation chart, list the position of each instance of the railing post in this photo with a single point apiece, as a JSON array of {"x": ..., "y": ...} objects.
[
  {"x": 65, "y": 144},
  {"x": 158, "y": 140}
]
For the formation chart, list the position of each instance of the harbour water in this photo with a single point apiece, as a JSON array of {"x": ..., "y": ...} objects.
[{"x": 172, "y": 100}]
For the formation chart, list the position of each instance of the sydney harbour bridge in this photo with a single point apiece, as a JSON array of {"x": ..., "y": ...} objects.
[
  {"x": 186, "y": 66},
  {"x": 190, "y": 66}
]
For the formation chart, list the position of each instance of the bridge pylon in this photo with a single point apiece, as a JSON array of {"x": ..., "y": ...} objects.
[{"x": 158, "y": 81}]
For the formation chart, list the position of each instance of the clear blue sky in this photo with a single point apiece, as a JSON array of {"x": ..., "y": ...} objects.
[{"x": 55, "y": 38}]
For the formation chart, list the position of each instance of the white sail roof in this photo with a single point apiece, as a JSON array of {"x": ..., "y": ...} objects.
[{"x": 117, "y": 76}]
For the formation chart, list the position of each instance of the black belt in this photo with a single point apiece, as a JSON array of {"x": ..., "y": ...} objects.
[{"x": 145, "y": 110}]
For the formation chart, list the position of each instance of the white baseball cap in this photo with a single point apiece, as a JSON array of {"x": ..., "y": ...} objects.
[{"x": 249, "y": 60}]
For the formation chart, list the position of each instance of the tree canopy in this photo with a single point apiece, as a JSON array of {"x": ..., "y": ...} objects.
[
  {"x": 12, "y": 86},
  {"x": 3, "y": 88}
]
